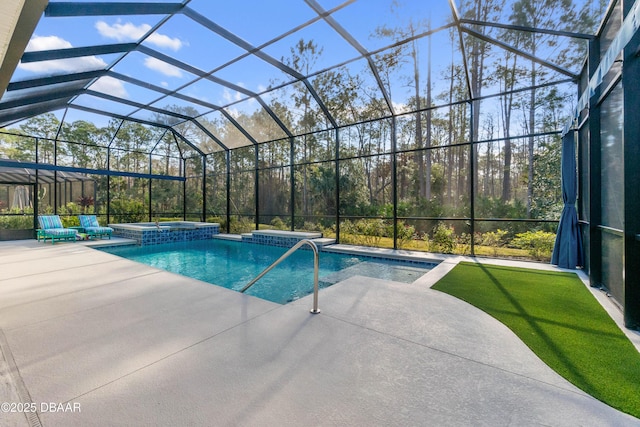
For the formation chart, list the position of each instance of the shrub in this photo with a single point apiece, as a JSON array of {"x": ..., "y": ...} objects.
[
  {"x": 70, "y": 208},
  {"x": 86, "y": 202},
  {"x": 444, "y": 239},
  {"x": 370, "y": 231},
  {"x": 464, "y": 244},
  {"x": 406, "y": 233},
  {"x": 216, "y": 219},
  {"x": 310, "y": 226},
  {"x": 538, "y": 244},
  {"x": 495, "y": 239},
  {"x": 278, "y": 224},
  {"x": 124, "y": 210},
  {"x": 365, "y": 232},
  {"x": 347, "y": 234},
  {"x": 16, "y": 222},
  {"x": 241, "y": 225},
  {"x": 70, "y": 221}
]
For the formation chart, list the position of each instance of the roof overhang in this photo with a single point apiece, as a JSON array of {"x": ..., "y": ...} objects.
[{"x": 18, "y": 20}]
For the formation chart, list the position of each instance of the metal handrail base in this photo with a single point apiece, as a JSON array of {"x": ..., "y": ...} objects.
[{"x": 316, "y": 262}]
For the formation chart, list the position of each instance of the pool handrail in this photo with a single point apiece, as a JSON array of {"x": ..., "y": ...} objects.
[{"x": 316, "y": 262}]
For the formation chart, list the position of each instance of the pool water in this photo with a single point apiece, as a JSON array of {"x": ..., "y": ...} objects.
[{"x": 233, "y": 264}]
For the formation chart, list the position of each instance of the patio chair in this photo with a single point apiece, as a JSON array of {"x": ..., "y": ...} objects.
[
  {"x": 51, "y": 228},
  {"x": 91, "y": 227}
]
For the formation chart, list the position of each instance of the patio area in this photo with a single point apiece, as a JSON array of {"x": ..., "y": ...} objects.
[{"x": 126, "y": 344}]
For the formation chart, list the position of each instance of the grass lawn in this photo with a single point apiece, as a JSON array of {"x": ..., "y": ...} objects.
[{"x": 558, "y": 318}]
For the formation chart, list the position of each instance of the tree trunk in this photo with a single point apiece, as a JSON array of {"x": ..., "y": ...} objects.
[
  {"x": 532, "y": 117},
  {"x": 450, "y": 131},
  {"x": 506, "y": 170},
  {"x": 427, "y": 171},
  {"x": 305, "y": 202},
  {"x": 419, "y": 153},
  {"x": 477, "y": 75}
]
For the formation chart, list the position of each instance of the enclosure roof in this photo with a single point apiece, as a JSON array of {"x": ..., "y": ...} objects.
[{"x": 209, "y": 71}]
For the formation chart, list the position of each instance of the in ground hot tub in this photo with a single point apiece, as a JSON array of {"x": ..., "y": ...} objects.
[{"x": 151, "y": 233}]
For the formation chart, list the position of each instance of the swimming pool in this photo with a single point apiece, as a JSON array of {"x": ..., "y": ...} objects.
[{"x": 233, "y": 264}]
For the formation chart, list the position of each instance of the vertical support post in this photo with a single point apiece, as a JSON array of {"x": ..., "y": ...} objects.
[
  {"x": 149, "y": 189},
  {"x": 394, "y": 179},
  {"x": 36, "y": 187},
  {"x": 55, "y": 162},
  {"x": 228, "y": 161},
  {"x": 36, "y": 208},
  {"x": 95, "y": 197},
  {"x": 472, "y": 182},
  {"x": 630, "y": 264},
  {"x": 204, "y": 188},
  {"x": 292, "y": 172},
  {"x": 184, "y": 189},
  {"x": 55, "y": 177},
  {"x": 109, "y": 185},
  {"x": 337, "y": 193},
  {"x": 595, "y": 216},
  {"x": 256, "y": 178},
  {"x": 35, "y": 204},
  {"x": 583, "y": 189}
]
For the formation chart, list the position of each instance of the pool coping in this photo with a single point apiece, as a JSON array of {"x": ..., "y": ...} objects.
[
  {"x": 288, "y": 234},
  {"x": 153, "y": 233},
  {"x": 166, "y": 225}
]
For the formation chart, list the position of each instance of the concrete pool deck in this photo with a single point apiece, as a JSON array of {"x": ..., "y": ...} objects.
[{"x": 128, "y": 344}]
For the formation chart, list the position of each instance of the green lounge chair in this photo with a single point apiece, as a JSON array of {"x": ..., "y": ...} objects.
[
  {"x": 91, "y": 227},
  {"x": 51, "y": 228}
]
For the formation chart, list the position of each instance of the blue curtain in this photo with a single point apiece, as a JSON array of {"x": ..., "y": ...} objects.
[{"x": 567, "y": 251}]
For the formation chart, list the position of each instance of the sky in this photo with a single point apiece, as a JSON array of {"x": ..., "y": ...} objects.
[
  {"x": 192, "y": 43},
  {"x": 255, "y": 22}
]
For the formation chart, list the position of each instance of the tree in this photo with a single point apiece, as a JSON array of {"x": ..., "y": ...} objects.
[
  {"x": 508, "y": 73},
  {"x": 45, "y": 127},
  {"x": 17, "y": 147},
  {"x": 303, "y": 57},
  {"x": 478, "y": 51},
  {"x": 85, "y": 137},
  {"x": 538, "y": 14},
  {"x": 409, "y": 52}
]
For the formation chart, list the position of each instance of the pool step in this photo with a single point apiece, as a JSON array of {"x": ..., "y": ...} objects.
[
  {"x": 393, "y": 272},
  {"x": 323, "y": 241},
  {"x": 277, "y": 239},
  {"x": 224, "y": 236}
]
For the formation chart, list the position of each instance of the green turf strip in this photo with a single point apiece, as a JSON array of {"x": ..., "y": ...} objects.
[{"x": 558, "y": 318}]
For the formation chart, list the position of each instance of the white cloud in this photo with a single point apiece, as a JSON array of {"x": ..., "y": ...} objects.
[
  {"x": 231, "y": 96},
  {"x": 46, "y": 43},
  {"x": 161, "y": 40},
  {"x": 110, "y": 86},
  {"x": 162, "y": 67},
  {"x": 38, "y": 43},
  {"x": 233, "y": 112},
  {"x": 164, "y": 84},
  {"x": 400, "y": 107},
  {"x": 130, "y": 32}
]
